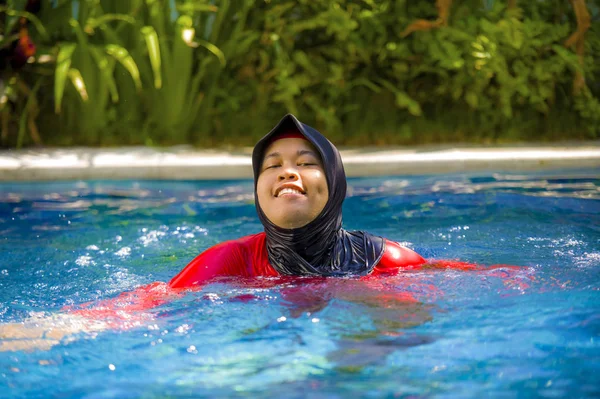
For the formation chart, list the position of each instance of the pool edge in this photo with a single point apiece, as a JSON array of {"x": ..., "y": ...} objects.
[{"x": 187, "y": 163}]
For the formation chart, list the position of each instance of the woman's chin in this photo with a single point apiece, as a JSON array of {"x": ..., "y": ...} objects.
[{"x": 294, "y": 223}]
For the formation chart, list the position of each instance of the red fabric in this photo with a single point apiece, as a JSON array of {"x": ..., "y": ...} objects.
[
  {"x": 292, "y": 134},
  {"x": 128, "y": 309},
  {"x": 244, "y": 257},
  {"x": 247, "y": 257},
  {"x": 397, "y": 258}
]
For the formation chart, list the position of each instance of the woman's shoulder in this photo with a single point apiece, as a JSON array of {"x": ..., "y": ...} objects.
[
  {"x": 230, "y": 258},
  {"x": 239, "y": 246},
  {"x": 397, "y": 257},
  {"x": 250, "y": 240}
]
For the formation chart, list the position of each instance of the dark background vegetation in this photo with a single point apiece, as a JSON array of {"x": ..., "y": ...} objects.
[{"x": 223, "y": 72}]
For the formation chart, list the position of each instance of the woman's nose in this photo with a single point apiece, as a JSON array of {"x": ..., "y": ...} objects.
[{"x": 288, "y": 174}]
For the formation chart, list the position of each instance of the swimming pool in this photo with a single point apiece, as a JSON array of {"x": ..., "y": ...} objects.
[{"x": 533, "y": 332}]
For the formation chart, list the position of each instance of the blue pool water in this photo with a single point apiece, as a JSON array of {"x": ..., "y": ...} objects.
[{"x": 531, "y": 332}]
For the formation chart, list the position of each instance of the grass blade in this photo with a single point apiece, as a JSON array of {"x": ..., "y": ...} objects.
[
  {"x": 152, "y": 43},
  {"x": 26, "y": 112},
  {"x": 39, "y": 26},
  {"x": 78, "y": 82},
  {"x": 191, "y": 7},
  {"x": 93, "y": 23},
  {"x": 123, "y": 56},
  {"x": 107, "y": 72},
  {"x": 63, "y": 64},
  {"x": 213, "y": 49}
]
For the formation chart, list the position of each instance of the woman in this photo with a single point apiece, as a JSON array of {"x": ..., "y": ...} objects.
[{"x": 299, "y": 188}]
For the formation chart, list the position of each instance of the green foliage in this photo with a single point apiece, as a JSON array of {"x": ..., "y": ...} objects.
[
  {"x": 493, "y": 74},
  {"x": 209, "y": 72}
]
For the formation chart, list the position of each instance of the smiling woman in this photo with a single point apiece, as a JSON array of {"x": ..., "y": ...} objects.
[
  {"x": 292, "y": 187},
  {"x": 300, "y": 185}
]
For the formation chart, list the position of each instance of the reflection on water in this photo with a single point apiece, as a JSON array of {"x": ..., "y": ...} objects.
[
  {"x": 118, "y": 200},
  {"x": 584, "y": 185}
]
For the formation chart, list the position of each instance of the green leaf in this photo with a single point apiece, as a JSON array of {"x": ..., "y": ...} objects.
[
  {"x": 185, "y": 21},
  {"x": 153, "y": 45},
  {"x": 156, "y": 16},
  {"x": 79, "y": 83},
  {"x": 63, "y": 64},
  {"x": 302, "y": 59},
  {"x": 93, "y": 23},
  {"x": 213, "y": 49},
  {"x": 39, "y": 26},
  {"x": 107, "y": 72},
  {"x": 367, "y": 83},
  {"x": 472, "y": 99},
  {"x": 219, "y": 17},
  {"x": 81, "y": 37},
  {"x": 191, "y": 7},
  {"x": 123, "y": 56},
  {"x": 31, "y": 101},
  {"x": 403, "y": 100},
  {"x": 568, "y": 57}
]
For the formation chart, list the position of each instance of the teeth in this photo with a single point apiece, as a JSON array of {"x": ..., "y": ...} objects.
[{"x": 288, "y": 190}]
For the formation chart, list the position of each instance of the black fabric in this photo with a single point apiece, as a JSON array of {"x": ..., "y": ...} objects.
[{"x": 322, "y": 247}]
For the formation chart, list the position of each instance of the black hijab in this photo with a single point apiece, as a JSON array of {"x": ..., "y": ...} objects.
[{"x": 322, "y": 247}]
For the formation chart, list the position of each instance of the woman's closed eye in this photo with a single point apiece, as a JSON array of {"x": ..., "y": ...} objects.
[
  {"x": 272, "y": 166},
  {"x": 308, "y": 161}
]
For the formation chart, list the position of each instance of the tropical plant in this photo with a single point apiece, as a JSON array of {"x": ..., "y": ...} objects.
[
  {"x": 367, "y": 72},
  {"x": 89, "y": 54},
  {"x": 179, "y": 67},
  {"x": 18, "y": 100},
  {"x": 100, "y": 95}
]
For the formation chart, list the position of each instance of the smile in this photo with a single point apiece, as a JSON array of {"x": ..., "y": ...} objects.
[{"x": 289, "y": 191}]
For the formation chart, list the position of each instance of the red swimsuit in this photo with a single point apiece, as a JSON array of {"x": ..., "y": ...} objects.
[{"x": 247, "y": 257}]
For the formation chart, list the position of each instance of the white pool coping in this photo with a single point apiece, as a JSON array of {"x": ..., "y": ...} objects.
[{"x": 188, "y": 163}]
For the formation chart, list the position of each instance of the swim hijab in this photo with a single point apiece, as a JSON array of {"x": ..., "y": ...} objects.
[{"x": 322, "y": 247}]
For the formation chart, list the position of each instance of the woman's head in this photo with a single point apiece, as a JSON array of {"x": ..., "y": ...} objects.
[
  {"x": 292, "y": 187},
  {"x": 299, "y": 188},
  {"x": 298, "y": 176}
]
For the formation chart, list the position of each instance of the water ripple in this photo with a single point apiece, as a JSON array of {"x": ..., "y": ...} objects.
[{"x": 583, "y": 187}]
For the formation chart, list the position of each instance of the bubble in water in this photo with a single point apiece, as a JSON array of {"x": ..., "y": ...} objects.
[
  {"x": 84, "y": 261},
  {"x": 125, "y": 251}
]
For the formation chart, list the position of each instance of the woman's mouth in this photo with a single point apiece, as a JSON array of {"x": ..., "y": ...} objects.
[{"x": 289, "y": 191}]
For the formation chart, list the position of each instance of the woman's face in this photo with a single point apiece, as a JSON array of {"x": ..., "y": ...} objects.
[{"x": 292, "y": 187}]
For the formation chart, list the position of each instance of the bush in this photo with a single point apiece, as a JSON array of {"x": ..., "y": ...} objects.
[{"x": 165, "y": 72}]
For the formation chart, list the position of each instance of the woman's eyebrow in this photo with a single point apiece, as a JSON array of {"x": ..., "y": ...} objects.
[
  {"x": 308, "y": 152},
  {"x": 271, "y": 155},
  {"x": 298, "y": 153}
]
